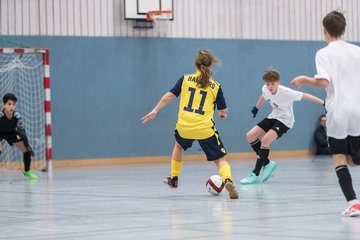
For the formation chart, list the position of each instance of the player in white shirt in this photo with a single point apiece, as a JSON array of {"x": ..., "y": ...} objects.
[
  {"x": 338, "y": 71},
  {"x": 279, "y": 121}
]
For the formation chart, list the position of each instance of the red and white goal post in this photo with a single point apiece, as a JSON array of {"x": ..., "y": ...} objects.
[{"x": 25, "y": 72}]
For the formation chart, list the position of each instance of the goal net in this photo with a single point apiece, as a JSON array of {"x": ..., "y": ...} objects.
[{"x": 25, "y": 73}]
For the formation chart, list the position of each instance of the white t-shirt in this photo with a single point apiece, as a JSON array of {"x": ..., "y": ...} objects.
[
  {"x": 339, "y": 63},
  {"x": 282, "y": 104}
]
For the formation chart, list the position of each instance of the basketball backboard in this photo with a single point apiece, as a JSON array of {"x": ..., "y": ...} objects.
[{"x": 137, "y": 9}]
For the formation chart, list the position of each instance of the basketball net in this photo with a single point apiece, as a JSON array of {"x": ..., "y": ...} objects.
[{"x": 160, "y": 19}]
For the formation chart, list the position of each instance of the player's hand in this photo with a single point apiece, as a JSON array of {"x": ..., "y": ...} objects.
[
  {"x": 222, "y": 115},
  {"x": 298, "y": 82},
  {"x": 148, "y": 117},
  {"x": 254, "y": 111},
  {"x": 30, "y": 151}
]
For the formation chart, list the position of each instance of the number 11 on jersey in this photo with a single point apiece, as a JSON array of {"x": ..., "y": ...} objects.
[{"x": 191, "y": 101}]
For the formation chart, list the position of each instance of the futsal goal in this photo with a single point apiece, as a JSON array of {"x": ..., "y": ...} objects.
[{"x": 25, "y": 72}]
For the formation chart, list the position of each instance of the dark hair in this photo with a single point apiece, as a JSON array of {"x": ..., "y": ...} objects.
[
  {"x": 322, "y": 115},
  {"x": 334, "y": 23},
  {"x": 271, "y": 75},
  {"x": 203, "y": 61},
  {"x": 9, "y": 96}
]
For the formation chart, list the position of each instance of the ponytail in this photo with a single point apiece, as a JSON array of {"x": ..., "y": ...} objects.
[
  {"x": 205, "y": 76},
  {"x": 203, "y": 61}
]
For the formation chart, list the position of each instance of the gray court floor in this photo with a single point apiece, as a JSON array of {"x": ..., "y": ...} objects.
[{"x": 301, "y": 201}]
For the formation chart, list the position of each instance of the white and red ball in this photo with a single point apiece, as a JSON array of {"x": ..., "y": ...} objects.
[{"x": 215, "y": 184}]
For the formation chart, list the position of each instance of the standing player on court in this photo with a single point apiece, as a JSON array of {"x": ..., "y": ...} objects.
[
  {"x": 338, "y": 71},
  {"x": 13, "y": 131},
  {"x": 199, "y": 94},
  {"x": 280, "y": 120}
]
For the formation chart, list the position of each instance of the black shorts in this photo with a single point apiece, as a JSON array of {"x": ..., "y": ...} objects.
[
  {"x": 266, "y": 124},
  {"x": 212, "y": 146},
  {"x": 11, "y": 138},
  {"x": 349, "y": 146}
]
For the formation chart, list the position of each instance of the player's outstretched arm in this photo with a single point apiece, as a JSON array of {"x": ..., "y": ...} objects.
[
  {"x": 312, "y": 98},
  {"x": 168, "y": 97},
  {"x": 256, "y": 108},
  {"x": 260, "y": 102},
  {"x": 299, "y": 81}
]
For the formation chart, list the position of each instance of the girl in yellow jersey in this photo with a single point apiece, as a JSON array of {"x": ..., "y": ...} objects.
[{"x": 199, "y": 94}]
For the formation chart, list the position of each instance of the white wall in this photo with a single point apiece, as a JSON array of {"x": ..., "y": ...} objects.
[{"x": 229, "y": 19}]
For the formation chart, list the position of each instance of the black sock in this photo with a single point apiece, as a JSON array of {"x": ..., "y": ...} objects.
[
  {"x": 264, "y": 156},
  {"x": 258, "y": 166},
  {"x": 256, "y": 146},
  {"x": 262, "y": 160},
  {"x": 345, "y": 182},
  {"x": 27, "y": 161}
]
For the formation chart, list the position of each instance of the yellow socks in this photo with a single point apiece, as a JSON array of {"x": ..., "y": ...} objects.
[
  {"x": 225, "y": 172},
  {"x": 175, "y": 168}
]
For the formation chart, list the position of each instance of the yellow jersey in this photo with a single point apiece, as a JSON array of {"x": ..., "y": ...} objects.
[{"x": 197, "y": 106}]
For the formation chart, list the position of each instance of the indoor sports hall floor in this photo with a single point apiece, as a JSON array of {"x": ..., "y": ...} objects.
[{"x": 301, "y": 201}]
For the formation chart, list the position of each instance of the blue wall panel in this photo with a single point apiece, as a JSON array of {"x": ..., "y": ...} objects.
[{"x": 101, "y": 87}]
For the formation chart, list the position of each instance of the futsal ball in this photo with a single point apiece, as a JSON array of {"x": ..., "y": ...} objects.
[{"x": 215, "y": 185}]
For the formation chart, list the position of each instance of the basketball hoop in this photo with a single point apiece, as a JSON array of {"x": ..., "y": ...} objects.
[
  {"x": 162, "y": 27},
  {"x": 158, "y": 15}
]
